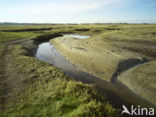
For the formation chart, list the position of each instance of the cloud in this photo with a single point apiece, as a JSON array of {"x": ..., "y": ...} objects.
[
  {"x": 63, "y": 6},
  {"x": 73, "y": 11}
]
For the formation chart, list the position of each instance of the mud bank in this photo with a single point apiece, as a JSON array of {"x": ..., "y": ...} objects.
[
  {"x": 31, "y": 44},
  {"x": 126, "y": 65}
]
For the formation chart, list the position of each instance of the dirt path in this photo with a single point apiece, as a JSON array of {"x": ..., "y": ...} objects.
[{"x": 10, "y": 75}]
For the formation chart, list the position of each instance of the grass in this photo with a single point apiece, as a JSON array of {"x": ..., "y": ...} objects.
[
  {"x": 19, "y": 27},
  {"x": 108, "y": 46},
  {"x": 46, "y": 91},
  {"x": 97, "y": 57},
  {"x": 132, "y": 33},
  {"x": 2, "y": 49},
  {"x": 36, "y": 88},
  {"x": 11, "y": 36},
  {"x": 142, "y": 80}
]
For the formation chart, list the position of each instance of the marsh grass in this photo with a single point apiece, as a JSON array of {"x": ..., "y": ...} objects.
[
  {"x": 142, "y": 80},
  {"x": 108, "y": 46},
  {"x": 11, "y": 36},
  {"x": 39, "y": 89},
  {"x": 47, "y": 91},
  {"x": 13, "y": 33},
  {"x": 136, "y": 38},
  {"x": 2, "y": 49}
]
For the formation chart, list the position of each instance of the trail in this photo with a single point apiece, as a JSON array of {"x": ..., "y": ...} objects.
[{"x": 10, "y": 75}]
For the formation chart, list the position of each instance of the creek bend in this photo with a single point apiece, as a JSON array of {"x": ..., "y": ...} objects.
[{"x": 116, "y": 92}]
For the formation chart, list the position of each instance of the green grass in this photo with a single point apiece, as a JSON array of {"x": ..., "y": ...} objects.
[
  {"x": 132, "y": 33},
  {"x": 19, "y": 27},
  {"x": 142, "y": 80},
  {"x": 46, "y": 91},
  {"x": 120, "y": 40},
  {"x": 111, "y": 44},
  {"x": 2, "y": 49},
  {"x": 11, "y": 36},
  {"x": 136, "y": 38},
  {"x": 40, "y": 89}
]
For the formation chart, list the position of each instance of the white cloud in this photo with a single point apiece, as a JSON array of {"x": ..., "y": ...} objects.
[
  {"x": 66, "y": 11},
  {"x": 65, "y": 6}
]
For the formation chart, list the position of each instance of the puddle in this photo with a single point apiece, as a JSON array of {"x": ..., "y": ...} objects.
[
  {"x": 48, "y": 53},
  {"x": 77, "y": 36}
]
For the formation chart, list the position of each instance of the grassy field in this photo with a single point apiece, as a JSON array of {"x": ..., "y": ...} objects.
[
  {"x": 109, "y": 46},
  {"x": 47, "y": 91},
  {"x": 11, "y": 33},
  {"x": 100, "y": 54},
  {"x": 30, "y": 87}
]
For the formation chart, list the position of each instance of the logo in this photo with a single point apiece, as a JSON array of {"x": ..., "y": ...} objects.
[{"x": 137, "y": 110}]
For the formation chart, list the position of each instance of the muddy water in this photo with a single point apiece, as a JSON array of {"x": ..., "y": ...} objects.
[{"x": 117, "y": 93}]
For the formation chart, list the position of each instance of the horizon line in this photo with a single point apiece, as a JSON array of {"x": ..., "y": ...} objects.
[{"x": 76, "y": 23}]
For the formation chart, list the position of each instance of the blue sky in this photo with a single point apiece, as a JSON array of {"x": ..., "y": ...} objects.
[{"x": 78, "y": 11}]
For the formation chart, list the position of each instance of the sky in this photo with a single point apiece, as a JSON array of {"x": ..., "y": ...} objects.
[{"x": 78, "y": 11}]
